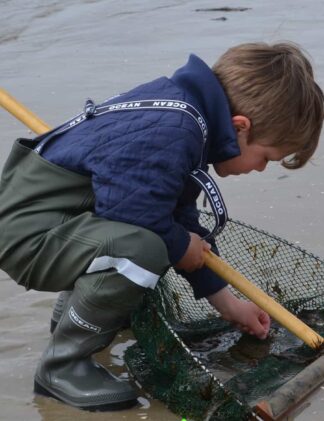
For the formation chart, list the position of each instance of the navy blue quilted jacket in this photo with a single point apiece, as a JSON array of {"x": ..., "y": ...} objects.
[{"x": 140, "y": 160}]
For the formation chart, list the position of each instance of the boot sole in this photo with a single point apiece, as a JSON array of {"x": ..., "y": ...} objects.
[{"x": 114, "y": 406}]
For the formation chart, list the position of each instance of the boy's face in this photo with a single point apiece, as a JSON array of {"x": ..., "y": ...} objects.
[{"x": 254, "y": 157}]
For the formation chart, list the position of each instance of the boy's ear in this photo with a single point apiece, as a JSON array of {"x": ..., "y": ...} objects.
[{"x": 241, "y": 123}]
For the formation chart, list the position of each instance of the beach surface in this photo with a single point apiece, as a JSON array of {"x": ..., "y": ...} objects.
[{"x": 56, "y": 54}]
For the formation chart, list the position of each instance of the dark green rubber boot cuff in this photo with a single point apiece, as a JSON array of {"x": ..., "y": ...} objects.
[
  {"x": 59, "y": 306},
  {"x": 58, "y": 309},
  {"x": 68, "y": 372}
]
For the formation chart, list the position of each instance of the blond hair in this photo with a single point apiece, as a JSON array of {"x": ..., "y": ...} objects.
[{"x": 273, "y": 85}]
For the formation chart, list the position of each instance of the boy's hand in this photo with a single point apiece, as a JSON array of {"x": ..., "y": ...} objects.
[
  {"x": 245, "y": 315},
  {"x": 194, "y": 256}
]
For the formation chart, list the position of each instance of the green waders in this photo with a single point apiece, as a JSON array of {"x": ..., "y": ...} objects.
[{"x": 52, "y": 241}]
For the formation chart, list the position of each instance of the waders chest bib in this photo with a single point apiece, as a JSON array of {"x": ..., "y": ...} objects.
[{"x": 37, "y": 201}]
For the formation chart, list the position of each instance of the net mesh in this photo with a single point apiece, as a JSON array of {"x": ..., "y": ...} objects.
[{"x": 197, "y": 363}]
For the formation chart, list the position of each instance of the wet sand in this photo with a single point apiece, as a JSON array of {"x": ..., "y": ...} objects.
[{"x": 56, "y": 54}]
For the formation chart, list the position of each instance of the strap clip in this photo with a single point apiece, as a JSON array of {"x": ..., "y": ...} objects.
[{"x": 89, "y": 108}]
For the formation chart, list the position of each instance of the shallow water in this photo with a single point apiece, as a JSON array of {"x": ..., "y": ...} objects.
[
  {"x": 237, "y": 359},
  {"x": 55, "y": 54}
]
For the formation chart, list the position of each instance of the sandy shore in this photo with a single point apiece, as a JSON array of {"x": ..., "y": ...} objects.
[{"x": 56, "y": 54}]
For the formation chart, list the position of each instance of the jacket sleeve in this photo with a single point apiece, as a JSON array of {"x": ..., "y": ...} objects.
[
  {"x": 204, "y": 282},
  {"x": 141, "y": 182}
]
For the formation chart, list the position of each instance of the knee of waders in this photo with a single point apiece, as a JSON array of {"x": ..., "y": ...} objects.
[
  {"x": 152, "y": 252},
  {"x": 141, "y": 246},
  {"x": 139, "y": 258}
]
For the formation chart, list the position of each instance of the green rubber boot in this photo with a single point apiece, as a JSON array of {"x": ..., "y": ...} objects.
[
  {"x": 67, "y": 370},
  {"x": 59, "y": 306}
]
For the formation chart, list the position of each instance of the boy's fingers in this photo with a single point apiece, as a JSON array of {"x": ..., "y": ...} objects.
[
  {"x": 265, "y": 320},
  {"x": 205, "y": 244},
  {"x": 262, "y": 331},
  {"x": 261, "y": 325}
]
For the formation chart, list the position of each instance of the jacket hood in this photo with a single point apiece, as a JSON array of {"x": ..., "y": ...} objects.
[{"x": 208, "y": 94}]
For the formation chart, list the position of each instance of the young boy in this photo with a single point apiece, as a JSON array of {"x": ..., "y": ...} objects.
[{"x": 104, "y": 204}]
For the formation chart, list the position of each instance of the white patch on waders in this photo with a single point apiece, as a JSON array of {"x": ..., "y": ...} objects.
[{"x": 125, "y": 267}]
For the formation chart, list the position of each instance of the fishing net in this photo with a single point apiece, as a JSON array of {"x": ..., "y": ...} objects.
[{"x": 197, "y": 363}]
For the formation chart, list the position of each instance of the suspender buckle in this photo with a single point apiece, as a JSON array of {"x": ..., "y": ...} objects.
[
  {"x": 89, "y": 108},
  {"x": 208, "y": 185}
]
